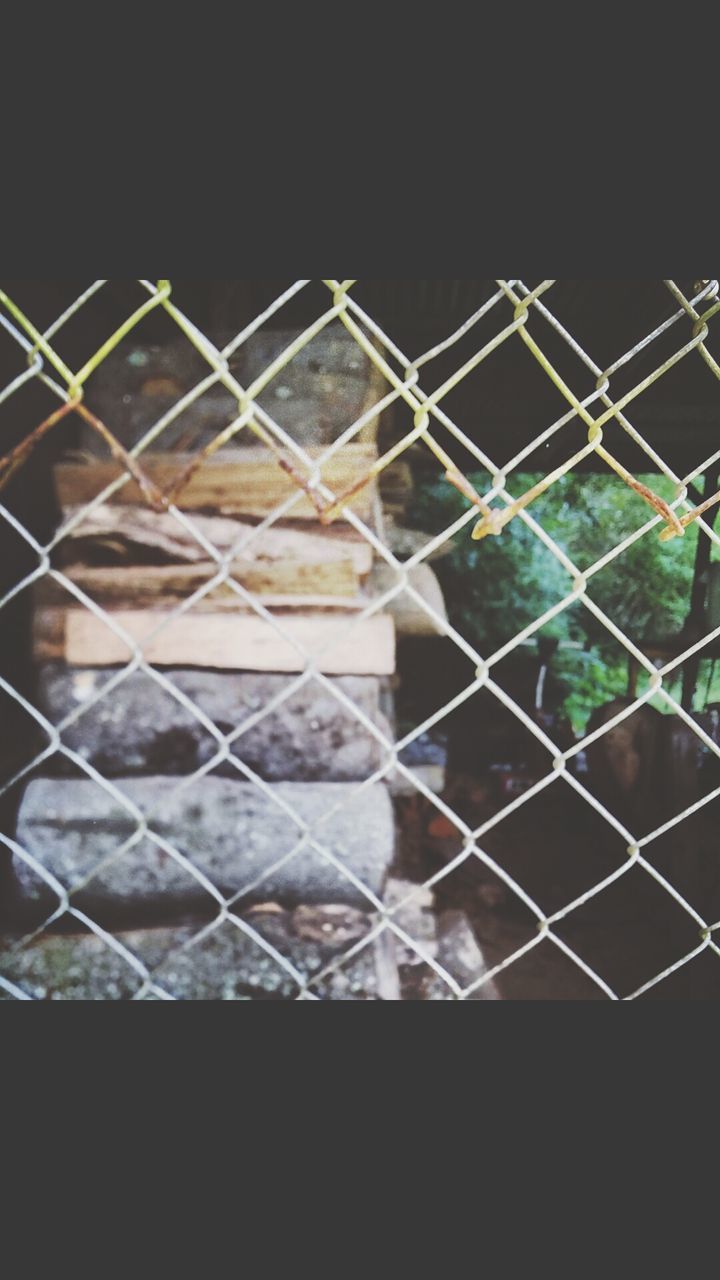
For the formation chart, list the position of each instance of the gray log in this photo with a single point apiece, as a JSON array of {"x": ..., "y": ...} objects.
[
  {"x": 139, "y": 728},
  {"x": 231, "y": 832}
]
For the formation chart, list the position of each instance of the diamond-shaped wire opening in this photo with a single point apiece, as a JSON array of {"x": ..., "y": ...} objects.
[
  {"x": 631, "y": 931},
  {"x": 550, "y": 935}
]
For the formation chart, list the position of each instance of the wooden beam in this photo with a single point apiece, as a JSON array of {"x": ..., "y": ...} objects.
[
  {"x": 247, "y": 482},
  {"x": 139, "y": 586},
  {"x": 227, "y": 642}
]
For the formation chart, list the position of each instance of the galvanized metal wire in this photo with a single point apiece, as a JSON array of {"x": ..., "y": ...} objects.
[{"x": 487, "y": 514}]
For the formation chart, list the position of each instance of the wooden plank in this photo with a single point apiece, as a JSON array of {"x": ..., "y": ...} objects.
[
  {"x": 146, "y": 585},
  {"x": 135, "y": 535},
  {"x": 234, "y": 482},
  {"x": 226, "y": 642},
  {"x": 222, "y": 600}
]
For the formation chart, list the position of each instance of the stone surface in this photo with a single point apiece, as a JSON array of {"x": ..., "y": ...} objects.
[
  {"x": 232, "y": 833},
  {"x": 140, "y": 728},
  {"x": 227, "y": 963},
  {"x": 414, "y": 914},
  {"x": 459, "y": 954},
  {"x": 426, "y": 757},
  {"x": 271, "y": 953},
  {"x": 447, "y": 938},
  {"x": 324, "y": 389}
]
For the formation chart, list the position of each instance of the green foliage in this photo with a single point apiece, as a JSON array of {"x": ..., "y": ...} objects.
[{"x": 498, "y": 586}]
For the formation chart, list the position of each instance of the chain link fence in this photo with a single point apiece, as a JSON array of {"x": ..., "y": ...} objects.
[{"x": 376, "y": 923}]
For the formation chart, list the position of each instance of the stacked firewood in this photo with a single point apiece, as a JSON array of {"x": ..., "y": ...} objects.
[{"x": 171, "y": 655}]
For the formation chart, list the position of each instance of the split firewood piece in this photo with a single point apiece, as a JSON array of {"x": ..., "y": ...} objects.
[
  {"x": 140, "y": 586},
  {"x": 229, "y": 641},
  {"x": 243, "y": 482},
  {"x": 127, "y": 535}
]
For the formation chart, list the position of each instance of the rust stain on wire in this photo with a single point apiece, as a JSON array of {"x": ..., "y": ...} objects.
[
  {"x": 18, "y": 456},
  {"x": 494, "y": 519}
]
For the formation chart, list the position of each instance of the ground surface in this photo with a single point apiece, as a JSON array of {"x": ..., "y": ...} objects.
[{"x": 557, "y": 850}]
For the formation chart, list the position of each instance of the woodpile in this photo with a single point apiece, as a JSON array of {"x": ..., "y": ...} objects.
[{"x": 228, "y": 610}]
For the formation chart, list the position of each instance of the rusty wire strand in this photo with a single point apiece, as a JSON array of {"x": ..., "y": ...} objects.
[{"x": 328, "y": 507}]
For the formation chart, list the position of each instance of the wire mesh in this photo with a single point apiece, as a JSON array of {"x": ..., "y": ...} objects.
[{"x": 515, "y": 311}]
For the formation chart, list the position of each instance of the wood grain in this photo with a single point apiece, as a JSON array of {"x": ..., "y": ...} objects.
[
  {"x": 135, "y": 535},
  {"x": 227, "y": 642},
  {"x": 234, "y": 482},
  {"x": 139, "y": 586}
]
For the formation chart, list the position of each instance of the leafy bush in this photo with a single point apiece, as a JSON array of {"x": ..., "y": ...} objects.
[{"x": 496, "y": 587}]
